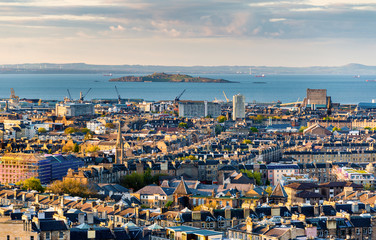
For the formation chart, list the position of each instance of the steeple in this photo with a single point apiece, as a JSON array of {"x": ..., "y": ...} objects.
[{"x": 119, "y": 151}]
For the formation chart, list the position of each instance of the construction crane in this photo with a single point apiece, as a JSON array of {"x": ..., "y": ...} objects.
[
  {"x": 177, "y": 99},
  {"x": 70, "y": 96},
  {"x": 226, "y": 96},
  {"x": 118, "y": 95},
  {"x": 82, "y": 97},
  {"x": 13, "y": 94}
]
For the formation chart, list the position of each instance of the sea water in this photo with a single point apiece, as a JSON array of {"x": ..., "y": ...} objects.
[{"x": 286, "y": 88}]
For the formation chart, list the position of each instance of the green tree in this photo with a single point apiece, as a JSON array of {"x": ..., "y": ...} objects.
[
  {"x": 255, "y": 175},
  {"x": 183, "y": 125},
  {"x": 336, "y": 129},
  {"x": 247, "y": 141},
  {"x": 221, "y": 119},
  {"x": 218, "y": 129},
  {"x": 42, "y": 130},
  {"x": 367, "y": 128},
  {"x": 302, "y": 128},
  {"x": 70, "y": 130},
  {"x": 85, "y": 130},
  {"x": 76, "y": 148},
  {"x": 31, "y": 184},
  {"x": 168, "y": 204},
  {"x": 253, "y": 130},
  {"x": 137, "y": 181}
]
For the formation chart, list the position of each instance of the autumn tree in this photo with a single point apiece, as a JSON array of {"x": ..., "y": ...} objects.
[
  {"x": 42, "y": 130},
  {"x": 110, "y": 125},
  {"x": 70, "y": 130},
  {"x": 31, "y": 184},
  {"x": 92, "y": 148},
  {"x": 221, "y": 119},
  {"x": 183, "y": 125},
  {"x": 72, "y": 188}
]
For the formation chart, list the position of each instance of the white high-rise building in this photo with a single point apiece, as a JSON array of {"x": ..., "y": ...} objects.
[{"x": 238, "y": 106}]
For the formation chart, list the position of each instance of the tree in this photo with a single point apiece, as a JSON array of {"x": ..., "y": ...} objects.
[
  {"x": 168, "y": 204},
  {"x": 253, "y": 130},
  {"x": 269, "y": 190},
  {"x": 302, "y": 128},
  {"x": 88, "y": 136},
  {"x": 42, "y": 130},
  {"x": 70, "y": 130},
  {"x": 368, "y": 187},
  {"x": 218, "y": 129},
  {"x": 336, "y": 129},
  {"x": 71, "y": 187},
  {"x": 31, "y": 184},
  {"x": 221, "y": 119},
  {"x": 247, "y": 141},
  {"x": 85, "y": 130},
  {"x": 255, "y": 175},
  {"x": 183, "y": 125},
  {"x": 137, "y": 181},
  {"x": 92, "y": 148},
  {"x": 109, "y": 125},
  {"x": 71, "y": 147},
  {"x": 367, "y": 128}
]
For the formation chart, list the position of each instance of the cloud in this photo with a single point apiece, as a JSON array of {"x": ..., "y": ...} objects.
[
  {"x": 277, "y": 19},
  {"x": 117, "y": 28}
]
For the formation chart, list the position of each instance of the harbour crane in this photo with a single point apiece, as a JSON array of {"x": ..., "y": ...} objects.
[
  {"x": 226, "y": 96},
  {"x": 82, "y": 97},
  {"x": 118, "y": 95},
  {"x": 70, "y": 96},
  {"x": 177, "y": 99}
]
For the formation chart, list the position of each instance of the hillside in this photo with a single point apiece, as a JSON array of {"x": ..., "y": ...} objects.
[{"x": 164, "y": 77}]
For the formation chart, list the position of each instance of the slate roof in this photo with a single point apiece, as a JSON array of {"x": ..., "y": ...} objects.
[
  {"x": 279, "y": 192},
  {"x": 182, "y": 188},
  {"x": 360, "y": 221},
  {"x": 51, "y": 225}
]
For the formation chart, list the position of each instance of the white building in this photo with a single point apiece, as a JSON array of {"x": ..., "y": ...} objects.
[
  {"x": 72, "y": 109},
  {"x": 238, "y": 107},
  {"x": 192, "y": 109}
]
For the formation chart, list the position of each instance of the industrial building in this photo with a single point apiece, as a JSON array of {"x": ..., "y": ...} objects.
[
  {"x": 15, "y": 167},
  {"x": 72, "y": 109},
  {"x": 317, "y": 99},
  {"x": 192, "y": 109},
  {"x": 238, "y": 107}
]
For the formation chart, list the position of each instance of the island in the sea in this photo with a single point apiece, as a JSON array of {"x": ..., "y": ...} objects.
[{"x": 165, "y": 77}]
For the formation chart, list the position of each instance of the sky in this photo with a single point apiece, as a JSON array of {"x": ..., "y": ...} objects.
[{"x": 189, "y": 32}]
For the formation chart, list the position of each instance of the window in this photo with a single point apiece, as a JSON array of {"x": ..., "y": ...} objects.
[
  {"x": 8, "y": 237},
  {"x": 48, "y": 235},
  {"x": 357, "y": 231},
  {"x": 31, "y": 237},
  {"x": 202, "y": 225}
]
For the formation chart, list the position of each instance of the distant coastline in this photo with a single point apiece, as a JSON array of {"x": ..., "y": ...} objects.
[
  {"x": 164, "y": 77},
  {"x": 82, "y": 68}
]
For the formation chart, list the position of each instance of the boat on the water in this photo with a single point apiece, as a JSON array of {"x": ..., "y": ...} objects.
[
  {"x": 357, "y": 76},
  {"x": 108, "y": 74},
  {"x": 262, "y": 75},
  {"x": 370, "y": 80}
]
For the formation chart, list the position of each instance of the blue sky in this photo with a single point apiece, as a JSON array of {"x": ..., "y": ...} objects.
[{"x": 190, "y": 32}]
